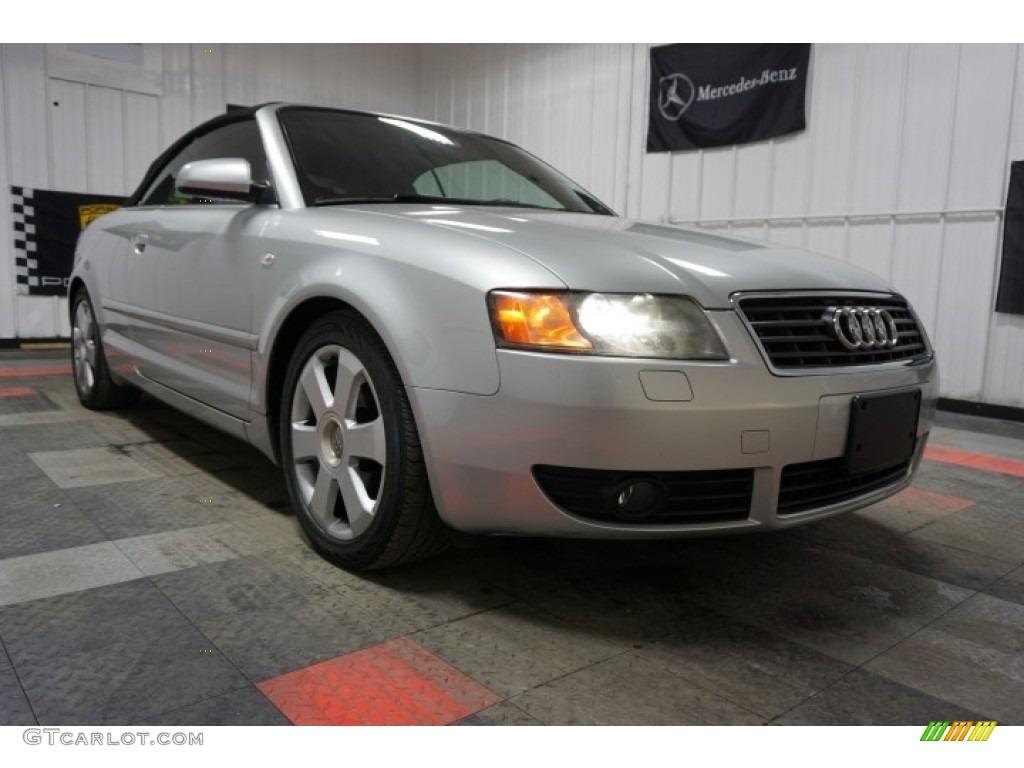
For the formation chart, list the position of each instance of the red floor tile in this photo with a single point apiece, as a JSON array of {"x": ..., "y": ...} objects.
[
  {"x": 919, "y": 500},
  {"x": 980, "y": 461},
  {"x": 395, "y": 683},
  {"x": 17, "y": 392},
  {"x": 29, "y": 373}
]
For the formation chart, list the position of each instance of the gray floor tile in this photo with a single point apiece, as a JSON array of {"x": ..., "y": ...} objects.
[
  {"x": 441, "y": 590},
  {"x": 505, "y": 713},
  {"x": 860, "y": 535},
  {"x": 176, "y": 456},
  {"x": 113, "y": 655},
  {"x": 232, "y": 586},
  {"x": 307, "y": 572},
  {"x": 36, "y": 516},
  {"x": 1010, "y": 587},
  {"x": 45, "y": 417},
  {"x": 175, "y": 550},
  {"x": 138, "y": 425},
  {"x": 84, "y": 620},
  {"x": 146, "y": 448},
  {"x": 46, "y": 574},
  {"x": 289, "y": 634},
  {"x": 838, "y": 604},
  {"x": 963, "y": 482},
  {"x": 246, "y": 706},
  {"x": 757, "y": 670},
  {"x": 630, "y": 689},
  {"x": 987, "y": 620},
  {"x": 392, "y": 604},
  {"x": 14, "y": 707},
  {"x": 515, "y": 648},
  {"x": 973, "y": 656},
  {"x": 180, "y": 466},
  {"x": 524, "y": 567},
  {"x": 1005, "y": 446},
  {"x": 62, "y": 392},
  {"x": 30, "y": 402},
  {"x": 626, "y": 607},
  {"x": 15, "y": 463},
  {"x": 89, "y": 466},
  {"x": 164, "y": 504},
  {"x": 260, "y": 483},
  {"x": 901, "y": 513},
  {"x": 46, "y": 438},
  {"x": 863, "y": 698},
  {"x": 391, "y": 613},
  {"x": 994, "y": 529},
  {"x": 180, "y": 456},
  {"x": 36, "y": 495}
]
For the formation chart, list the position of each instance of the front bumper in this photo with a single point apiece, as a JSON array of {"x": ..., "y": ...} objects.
[{"x": 597, "y": 414}]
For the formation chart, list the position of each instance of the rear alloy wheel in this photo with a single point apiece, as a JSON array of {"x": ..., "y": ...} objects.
[
  {"x": 96, "y": 390},
  {"x": 351, "y": 452}
]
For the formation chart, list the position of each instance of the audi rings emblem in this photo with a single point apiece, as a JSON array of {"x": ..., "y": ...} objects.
[{"x": 863, "y": 327}]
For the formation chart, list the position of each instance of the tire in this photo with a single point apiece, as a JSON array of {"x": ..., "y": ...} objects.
[
  {"x": 96, "y": 389},
  {"x": 351, "y": 453}
]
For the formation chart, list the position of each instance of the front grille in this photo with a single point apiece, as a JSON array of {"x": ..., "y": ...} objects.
[
  {"x": 816, "y": 484},
  {"x": 794, "y": 332},
  {"x": 687, "y": 497}
]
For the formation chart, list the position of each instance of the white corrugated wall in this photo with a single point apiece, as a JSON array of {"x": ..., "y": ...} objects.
[
  {"x": 903, "y": 168},
  {"x": 71, "y": 120}
]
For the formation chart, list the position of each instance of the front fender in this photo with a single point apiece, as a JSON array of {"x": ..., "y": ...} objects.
[{"x": 429, "y": 310}]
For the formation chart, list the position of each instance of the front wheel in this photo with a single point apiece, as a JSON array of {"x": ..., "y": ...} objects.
[{"x": 351, "y": 452}]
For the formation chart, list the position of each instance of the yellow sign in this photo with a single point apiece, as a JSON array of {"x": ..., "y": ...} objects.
[{"x": 89, "y": 213}]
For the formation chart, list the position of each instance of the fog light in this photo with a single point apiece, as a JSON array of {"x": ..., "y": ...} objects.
[{"x": 638, "y": 499}]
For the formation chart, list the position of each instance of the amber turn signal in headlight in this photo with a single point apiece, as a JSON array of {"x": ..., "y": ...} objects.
[{"x": 534, "y": 320}]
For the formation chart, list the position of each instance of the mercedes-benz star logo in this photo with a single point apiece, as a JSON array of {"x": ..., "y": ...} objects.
[{"x": 675, "y": 95}]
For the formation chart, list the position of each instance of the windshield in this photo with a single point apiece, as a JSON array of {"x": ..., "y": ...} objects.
[{"x": 345, "y": 157}]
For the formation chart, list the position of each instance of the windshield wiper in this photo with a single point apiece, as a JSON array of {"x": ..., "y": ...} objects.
[{"x": 436, "y": 199}]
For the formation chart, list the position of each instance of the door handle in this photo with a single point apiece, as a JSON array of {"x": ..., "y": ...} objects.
[{"x": 140, "y": 241}]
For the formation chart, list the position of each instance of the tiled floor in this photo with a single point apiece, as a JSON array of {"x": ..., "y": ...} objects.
[{"x": 150, "y": 573}]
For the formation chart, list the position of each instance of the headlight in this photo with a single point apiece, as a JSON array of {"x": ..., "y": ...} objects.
[{"x": 617, "y": 325}]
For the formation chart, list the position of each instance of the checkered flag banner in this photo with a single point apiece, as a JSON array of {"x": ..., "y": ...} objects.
[
  {"x": 25, "y": 262},
  {"x": 46, "y": 228}
]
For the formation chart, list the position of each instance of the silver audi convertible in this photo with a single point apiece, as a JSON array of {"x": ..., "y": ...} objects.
[{"x": 431, "y": 329}]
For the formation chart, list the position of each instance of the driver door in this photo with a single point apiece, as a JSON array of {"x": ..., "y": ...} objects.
[{"x": 190, "y": 268}]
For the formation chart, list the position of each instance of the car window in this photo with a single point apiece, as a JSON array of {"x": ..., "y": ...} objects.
[
  {"x": 352, "y": 157},
  {"x": 483, "y": 180},
  {"x": 240, "y": 139}
]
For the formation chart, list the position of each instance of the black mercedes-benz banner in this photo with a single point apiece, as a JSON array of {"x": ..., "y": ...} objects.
[
  {"x": 46, "y": 227},
  {"x": 717, "y": 94},
  {"x": 1010, "y": 297}
]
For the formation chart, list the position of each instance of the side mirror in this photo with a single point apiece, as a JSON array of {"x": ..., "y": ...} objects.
[{"x": 228, "y": 177}]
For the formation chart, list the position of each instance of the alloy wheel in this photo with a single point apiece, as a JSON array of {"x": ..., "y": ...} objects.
[{"x": 338, "y": 442}]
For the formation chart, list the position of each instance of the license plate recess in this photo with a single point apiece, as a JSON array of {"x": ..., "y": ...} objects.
[{"x": 883, "y": 430}]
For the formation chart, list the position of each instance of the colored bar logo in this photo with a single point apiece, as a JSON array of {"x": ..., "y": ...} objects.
[{"x": 959, "y": 730}]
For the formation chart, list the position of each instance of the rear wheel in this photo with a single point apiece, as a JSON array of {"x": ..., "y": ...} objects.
[
  {"x": 351, "y": 452},
  {"x": 96, "y": 389}
]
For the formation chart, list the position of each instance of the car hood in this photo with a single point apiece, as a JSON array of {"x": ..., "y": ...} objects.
[{"x": 609, "y": 253}]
